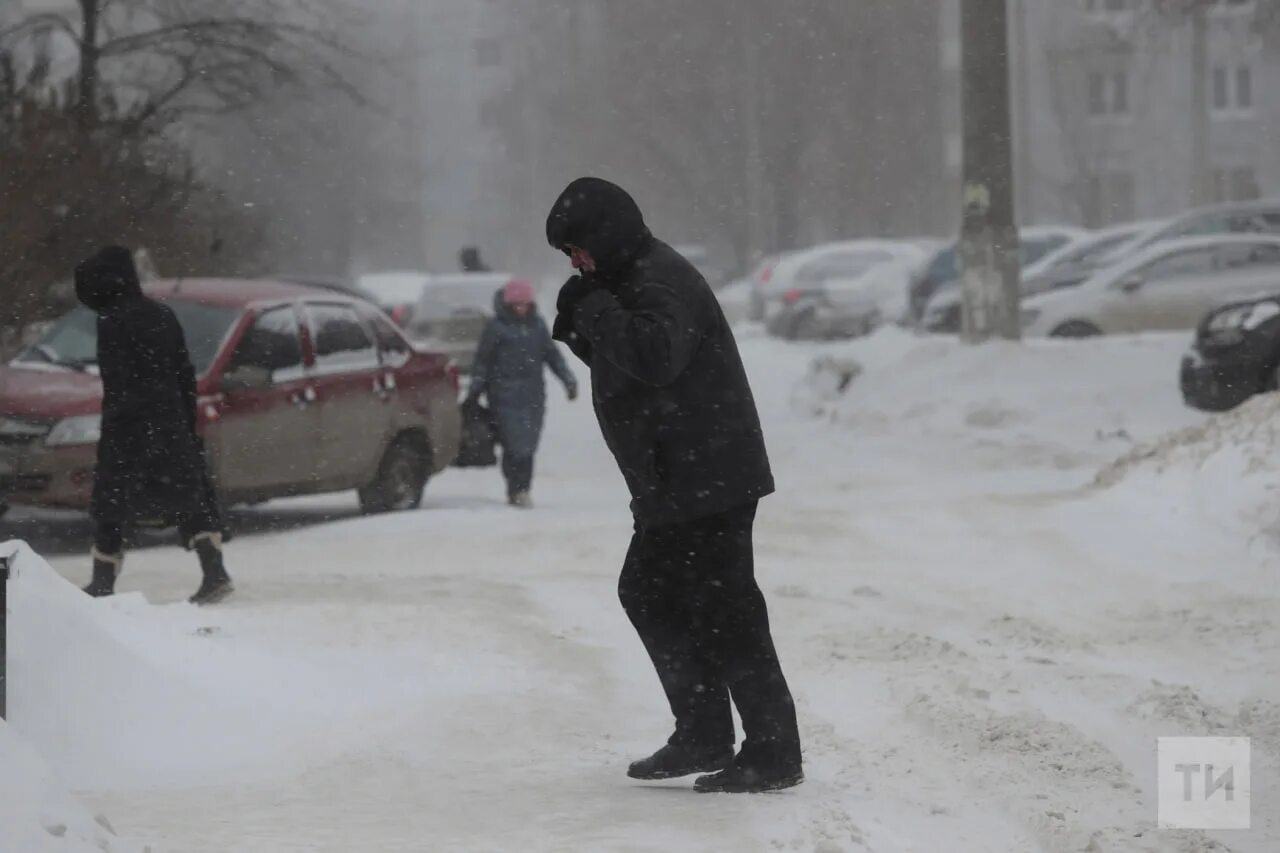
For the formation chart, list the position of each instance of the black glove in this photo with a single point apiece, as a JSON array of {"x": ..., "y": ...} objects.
[
  {"x": 571, "y": 294},
  {"x": 572, "y": 391},
  {"x": 562, "y": 330}
]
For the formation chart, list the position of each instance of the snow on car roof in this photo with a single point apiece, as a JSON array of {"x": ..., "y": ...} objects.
[
  {"x": 1164, "y": 248},
  {"x": 402, "y": 287},
  {"x": 228, "y": 292}
]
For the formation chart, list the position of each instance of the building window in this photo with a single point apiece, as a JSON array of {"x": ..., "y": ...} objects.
[
  {"x": 1232, "y": 89},
  {"x": 1106, "y": 7},
  {"x": 1239, "y": 183},
  {"x": 1111, "y": 198},
  {"x": 1244, "y": 87},
  {"x": 488, "y": 52},
  {"x": 492, "y": 113},
  {"x": 1108, "y": 93},
  {"x": 1110, "y": 11}
]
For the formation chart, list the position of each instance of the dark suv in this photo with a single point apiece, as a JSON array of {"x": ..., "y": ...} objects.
[{"x": 301, "y": 391}]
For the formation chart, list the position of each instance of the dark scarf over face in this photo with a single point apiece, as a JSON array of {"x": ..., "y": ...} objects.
[
  {"x": 107, "y": 279},
  {"x": 601, "y": 217}
]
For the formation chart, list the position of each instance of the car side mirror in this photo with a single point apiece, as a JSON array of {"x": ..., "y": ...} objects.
[
  {"x": 1132, "y": 283},
  {"x": 245, "y": 378}
]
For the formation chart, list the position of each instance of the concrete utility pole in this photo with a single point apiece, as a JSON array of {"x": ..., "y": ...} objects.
[
  {"x": 1201, "y": 190},
  {"x": 989, "y": 235},
  {"x": 749, "y": 92}
]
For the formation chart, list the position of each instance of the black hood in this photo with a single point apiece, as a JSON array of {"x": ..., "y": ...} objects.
[
  {"x": 600, "y": 217},
  {"x": 107, "y": 278}
]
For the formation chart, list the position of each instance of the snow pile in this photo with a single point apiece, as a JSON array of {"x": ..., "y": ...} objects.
[
  {"x": 36, "y": 814},
  {"x": 1062, "y": 404},
  {"x": 1224, "y": 470},
  {"x": 119, "y": 693},
  {"x": 1249, "y": 435}
]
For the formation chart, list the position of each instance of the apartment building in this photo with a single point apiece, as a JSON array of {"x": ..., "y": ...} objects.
[{"x": 1120, "y": 114}]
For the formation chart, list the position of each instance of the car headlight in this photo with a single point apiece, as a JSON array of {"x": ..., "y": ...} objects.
[
  {"x": 69, "y": 432},
  {"x": 1245, "y": 317}
]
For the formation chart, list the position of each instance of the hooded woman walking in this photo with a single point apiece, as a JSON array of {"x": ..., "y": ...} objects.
[
  {"x": 508, "y": 369},
  {"x": 151, "y": 468}
]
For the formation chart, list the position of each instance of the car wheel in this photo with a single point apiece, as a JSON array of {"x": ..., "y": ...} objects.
[
  {"x": 402, "y": 475},
  {"x": 806, "y": 327},
  {"x": 1076, "y": 329}
]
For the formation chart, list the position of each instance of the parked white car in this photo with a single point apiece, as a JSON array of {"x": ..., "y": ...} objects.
[
  {"x": 396, "y": 293},
  {"x": 1168, "y": 285},
  {"x": 453, "y": 310},
  {"x": 882, "y": 266}
]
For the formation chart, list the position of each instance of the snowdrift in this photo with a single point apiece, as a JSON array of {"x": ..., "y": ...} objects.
[
  {"x": 1224, "y": 471},
  {"x": 36, "y": 814},
  {"x": 1103, "y": 415},
  {"x": 1060, "y": 404},
  {"x": 117, "y": 693},
  {"x": 1245, "y": 440}
]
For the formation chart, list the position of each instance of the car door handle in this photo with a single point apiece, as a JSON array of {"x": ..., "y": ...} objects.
[
  {"x": 385, "y": 386},
  {"x": 303, "y": 398}
]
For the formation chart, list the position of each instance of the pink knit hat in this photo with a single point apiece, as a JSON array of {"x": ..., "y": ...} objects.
[{"x": 519, "y": 291}]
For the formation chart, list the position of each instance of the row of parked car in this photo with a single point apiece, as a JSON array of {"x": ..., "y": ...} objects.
[{"x": 1215, "y": 270}]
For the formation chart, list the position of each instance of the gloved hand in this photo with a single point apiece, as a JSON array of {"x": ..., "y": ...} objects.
[
  {"x": 571, "y": 294},
  {"x": 572, "y": 391},
  {"x": 562, "y": 329}
]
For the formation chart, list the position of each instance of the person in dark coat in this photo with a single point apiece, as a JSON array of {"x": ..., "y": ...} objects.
[
  {"x": 151, "y": 467},
  {"x": 469, "y": 260},
  {"x": 675, "y": 408},
  {"x": 514, "y": 348}
]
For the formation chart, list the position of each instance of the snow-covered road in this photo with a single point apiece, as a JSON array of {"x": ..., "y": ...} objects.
[{"x": 983, "y": 645}]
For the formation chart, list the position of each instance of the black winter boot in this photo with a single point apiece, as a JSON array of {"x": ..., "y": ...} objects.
[
  {"x": 754, "y": 771},
  {"x": 674, "y": 760},
  {"x": 216, "y": 584},
  {"x": 106, "y": 568}
]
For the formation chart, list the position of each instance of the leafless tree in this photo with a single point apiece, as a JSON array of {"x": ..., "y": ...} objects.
[
  {"x": 156, "y": 61},
  {"x": 63, "y": 194}
]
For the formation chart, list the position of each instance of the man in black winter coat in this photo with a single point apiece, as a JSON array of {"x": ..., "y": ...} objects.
[
  {"x": 676, "y": 410},
  {"x": 151, "y": 468}
]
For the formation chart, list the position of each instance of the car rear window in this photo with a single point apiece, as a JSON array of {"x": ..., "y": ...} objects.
[
  {"x": 73, "y": 340},
  {"x": 442, "y": 301}
]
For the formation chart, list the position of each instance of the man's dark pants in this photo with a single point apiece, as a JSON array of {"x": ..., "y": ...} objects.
[{"x": 690, "y": 591}]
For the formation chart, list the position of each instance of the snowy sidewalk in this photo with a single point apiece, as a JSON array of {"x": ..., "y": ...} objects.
[{"x": 982, "y": 645}]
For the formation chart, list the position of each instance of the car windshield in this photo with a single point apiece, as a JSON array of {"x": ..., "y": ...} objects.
[
  {"x": 73, "y": 340},
  {"x": 1035, "y": 248},
  {"x": 1090, "y": 251},
  {"x": 945, "y": 266}
]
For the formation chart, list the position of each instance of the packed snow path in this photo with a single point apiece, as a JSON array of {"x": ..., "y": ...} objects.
[{"x": 982, "y": 646}]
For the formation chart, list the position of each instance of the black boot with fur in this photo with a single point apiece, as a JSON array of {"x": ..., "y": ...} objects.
[
  {"x": 216, "y": 585},
  {"x": 106, "y": 568}
]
